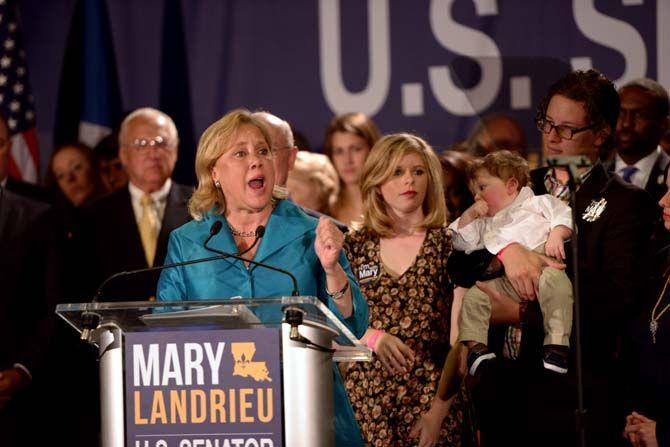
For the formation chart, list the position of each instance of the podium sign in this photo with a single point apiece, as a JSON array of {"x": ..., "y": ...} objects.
[
  {"x": 207, "y": 373},
  {"x": 205, "y": 387}
]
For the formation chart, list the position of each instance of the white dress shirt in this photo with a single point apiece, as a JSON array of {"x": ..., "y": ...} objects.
[
  {"x": 644, "y": 167},
  {"x": 158, "y": 197},
  {"x": 527, "y": 221}
]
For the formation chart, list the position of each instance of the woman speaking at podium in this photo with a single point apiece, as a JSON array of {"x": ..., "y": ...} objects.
[{"x": 235, "y": 174}]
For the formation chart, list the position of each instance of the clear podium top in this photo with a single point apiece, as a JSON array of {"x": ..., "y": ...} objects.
[{"x": 231, "y": 313}]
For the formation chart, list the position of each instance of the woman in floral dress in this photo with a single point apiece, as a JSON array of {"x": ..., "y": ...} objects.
[{"x": 399, "y": 254}]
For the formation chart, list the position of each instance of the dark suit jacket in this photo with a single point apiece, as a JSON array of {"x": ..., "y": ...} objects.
[
  {"x": 656, "y": 184},
  {"x": 613, "y": 254},
  {"x": 30, "y": 190},
  {"x": 656, "y": 188},
  {"x": 25, "y": 307},
  {"x": 613, "y": 258},
  {"x": 112, "y": 243}
]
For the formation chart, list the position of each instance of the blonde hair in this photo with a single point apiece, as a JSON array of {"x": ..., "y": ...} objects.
[
  {"x": 379, "y": 167},
  {"x": 320, "y": 172},
  {"x": 504, "y": 165},
  {"x": 215, "y": 142}
]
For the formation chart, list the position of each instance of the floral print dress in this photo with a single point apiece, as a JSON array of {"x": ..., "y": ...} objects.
[{"x": 415, "y": 307}]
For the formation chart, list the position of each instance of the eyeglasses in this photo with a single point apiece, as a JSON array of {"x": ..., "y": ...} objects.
[
  {"x": 142, "y": 144},
  {"x": 563, "y": 131}
]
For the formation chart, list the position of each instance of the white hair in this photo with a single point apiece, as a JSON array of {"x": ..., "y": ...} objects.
[
  {"x": 150, "y": 114},
  {"x": 275, "y": 122}
]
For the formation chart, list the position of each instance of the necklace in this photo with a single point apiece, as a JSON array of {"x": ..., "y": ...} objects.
[
  {"x": 242, "y": 233},
  {"x": 653, "y": 322}
]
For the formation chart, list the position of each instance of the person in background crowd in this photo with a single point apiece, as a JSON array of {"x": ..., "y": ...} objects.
[
  {"x": 398, "y": 252},
  {"x": 73, "y": 177},
  {"x": 455, "y": 181},
  {"x": 496, "y": 132},
  {"x": 112, "y": 173},
  {"x": 72, "y": 172},
  {"x": 639, "y": 159},
  {"x": 348, "y": 141},
  {"x": 313, "y": 182},
  {"x": 129, "y": 228},
  {"x": 283, "y": 150},
  {"x": 648, "y": 424},
  {"x": 28, "y": 290},
  {"x": 235, "y": 186},
  {"x": 281, "y": 139},
  {"x": 643, "y": 120}
]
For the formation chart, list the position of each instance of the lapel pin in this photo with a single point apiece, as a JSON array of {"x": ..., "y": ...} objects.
[{"x": 594, "y": 210}]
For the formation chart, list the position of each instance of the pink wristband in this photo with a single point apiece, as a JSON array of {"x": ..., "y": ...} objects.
[{"x": 372, "y": 339}]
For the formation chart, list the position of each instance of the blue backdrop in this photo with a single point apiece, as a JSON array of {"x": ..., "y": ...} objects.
[{"x": 425, "y": 66}]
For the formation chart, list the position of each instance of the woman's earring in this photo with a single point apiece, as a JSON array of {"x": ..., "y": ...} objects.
[{"x": 217, "y": 184}]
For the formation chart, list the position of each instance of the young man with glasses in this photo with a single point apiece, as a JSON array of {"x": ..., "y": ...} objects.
[{"x": 578, "y": 117}]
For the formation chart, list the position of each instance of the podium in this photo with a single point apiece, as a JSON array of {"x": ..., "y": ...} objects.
[{"x": 310, "y": 338}]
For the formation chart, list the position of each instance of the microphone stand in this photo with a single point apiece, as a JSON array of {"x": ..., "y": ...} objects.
[
  {"x": 90, "y": 320},
  {"x": 292, "y": 315},
  {"x": 572, "y": 164},
  {"x": 295, "y": 291}
]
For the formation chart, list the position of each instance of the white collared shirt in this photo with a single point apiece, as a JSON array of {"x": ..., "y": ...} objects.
[
  {"x": 644, "y": 167},
  {"x": 527, "y": 221},
  {"x": 158, "y": 197}
]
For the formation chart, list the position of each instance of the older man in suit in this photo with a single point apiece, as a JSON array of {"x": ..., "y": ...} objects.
[{"x": 129, "y": 229}]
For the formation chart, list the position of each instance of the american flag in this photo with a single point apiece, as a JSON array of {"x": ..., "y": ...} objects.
[{"x": 16, "y": 101}]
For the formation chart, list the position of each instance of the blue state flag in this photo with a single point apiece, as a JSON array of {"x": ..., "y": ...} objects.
[{"x": 89, "y": 100}]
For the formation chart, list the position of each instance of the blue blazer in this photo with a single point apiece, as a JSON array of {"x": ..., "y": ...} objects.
[{"x": 289, "y": 244}]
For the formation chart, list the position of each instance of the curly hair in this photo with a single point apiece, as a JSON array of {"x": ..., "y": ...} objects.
[
  {"x": 598, "y": 95},
  {"x": 504, "y": 165}
]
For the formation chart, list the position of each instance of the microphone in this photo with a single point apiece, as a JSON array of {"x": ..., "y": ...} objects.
[
  {"x": 91, "y": 320},
  {"x": 260, "y": 231},
  {"x": 213, "y": 231}
]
